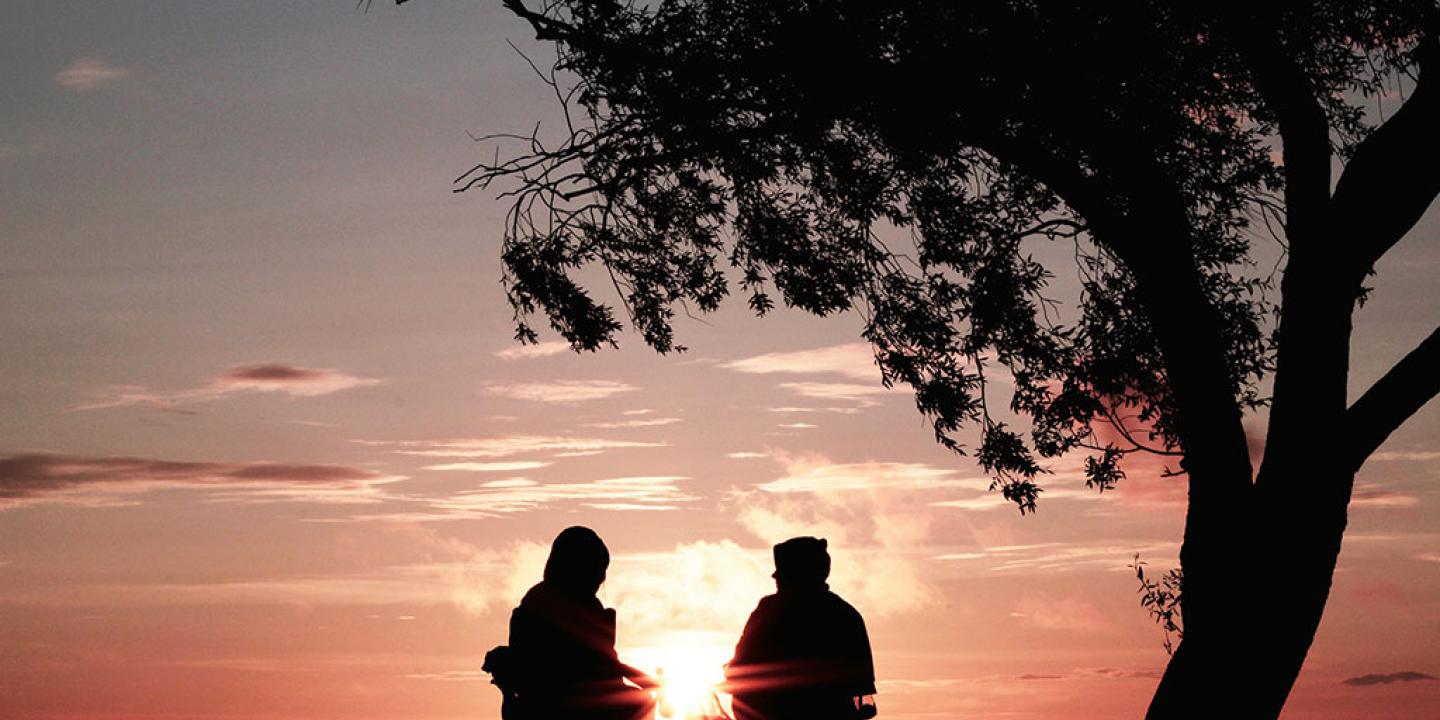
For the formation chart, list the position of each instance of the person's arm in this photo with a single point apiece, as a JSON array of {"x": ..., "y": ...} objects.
[
  {"x": 864, "y": 660},
  {"x": 638, "y": 676},
  {"x": 740, "y": 668}
]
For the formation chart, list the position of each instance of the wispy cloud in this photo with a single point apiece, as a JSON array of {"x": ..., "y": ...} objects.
[
  {"x": 1104, "y": 555},
  {"x": 509, "y": 446},
  {"x": 1061, "y": 613},
  {"x": 745, "y": 455},
  {"x": 792, "y": 409},
  {"x": 39, "y": 477},
  {"x": 1413, "y": 456},
  {"x": 520, "y": 495},
  {"x": 849, "y": 392},
  {"x": 637, "y": 423},
  {"x": 538, "y": 350},
  {"x": 291, "y": 380},
  {"x": 561, "y": 391},
  {"x": 1388, "y": 678},
  {"x": 88, "y": 73},
  {"x": 449, "y": 676},
  {"x": 813, "y": 474},
  {"x": 489, "y": 466},
  {"x": 852, "y": 360},
  {"x": 1369, "y": 495}
]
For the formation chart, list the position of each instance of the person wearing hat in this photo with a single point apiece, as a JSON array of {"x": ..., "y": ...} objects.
[{"x": 804, "y": 652}]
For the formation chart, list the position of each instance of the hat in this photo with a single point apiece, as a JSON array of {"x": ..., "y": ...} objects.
[{"x": 802, "y": 558}]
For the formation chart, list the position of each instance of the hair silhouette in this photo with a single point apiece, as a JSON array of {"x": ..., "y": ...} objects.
[{"x": 578, "y": 561}]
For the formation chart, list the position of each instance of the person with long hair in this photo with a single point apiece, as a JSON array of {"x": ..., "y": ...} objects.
[{"x": 561, "y": 662}]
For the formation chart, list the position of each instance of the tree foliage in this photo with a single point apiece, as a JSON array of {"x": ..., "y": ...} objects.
[{"x": 774, "y": 144}]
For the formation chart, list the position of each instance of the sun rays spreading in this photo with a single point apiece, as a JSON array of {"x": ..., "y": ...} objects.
[{"x": 690, "y": 666}]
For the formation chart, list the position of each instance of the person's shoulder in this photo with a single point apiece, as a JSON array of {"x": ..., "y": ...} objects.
[
  {"x": 767, "y": 604},
  {"x": 538, "y": 594},
  {"x": 841, "y": 604}
]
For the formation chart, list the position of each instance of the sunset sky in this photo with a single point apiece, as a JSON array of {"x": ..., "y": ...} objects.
[{"x": 267, "y": 449}]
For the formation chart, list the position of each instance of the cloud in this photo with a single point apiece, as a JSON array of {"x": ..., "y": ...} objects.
[
  {"x": 1120, "y": 673},
  {"x": 639, "y": 423},
  {"x": 509, "y": 483},
  {"x": 1387, "y": 678},
  {"x": 38, "y": 477},
  {"x": 1369, "y": 495},
  {"x": 561, "y": 391},
  {"x": 489, "y": 467},
  {"x": 745, "y": 455},
  {"x": 509, "y": 445},
  {"x": 449, "y": 676},
  {"x": 538, "y": 350},
  {"x": 852, "y": 360},
  {"x": 88, "y": 73},
  {"x": 862, "y": 394},
  {"x": 876, "y": 516},
  {"x": 1064, "y": 613},
  {"x": 521, "y": 495},
  {"x": 292, "y": 380},
  {"x": 797, "y": 426},
  {"x": 1108, "y": 555},
  {"x": 702, "y": 587},
  {"x": 813, "y": 474},
  {"x": 1407, "y": 456}
]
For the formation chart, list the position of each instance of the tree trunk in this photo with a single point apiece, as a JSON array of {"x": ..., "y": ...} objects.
[{"x": 1244, "y": 661}]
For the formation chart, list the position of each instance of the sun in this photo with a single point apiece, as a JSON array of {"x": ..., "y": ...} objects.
[{"x": 690, "y": 666}]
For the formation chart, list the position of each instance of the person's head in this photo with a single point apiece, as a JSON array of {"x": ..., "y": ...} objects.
[
  {"x": 801, "y": 562},
  {"x": 578, "y": 560}
]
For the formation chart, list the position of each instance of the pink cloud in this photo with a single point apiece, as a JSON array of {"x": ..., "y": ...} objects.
[
  {"x": 852, "y": 360},
  {"x": 1066, "y": 614},
  {"x": 40, "y": 477},
  {"x": 538, "y": 350},
  {"x": 561, "y": 391},
  {"x": 510, "y": 445},
  {"x": 292, "y": 380}
]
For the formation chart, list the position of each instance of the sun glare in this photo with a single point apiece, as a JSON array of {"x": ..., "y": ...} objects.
[{"x": 689, "y": 666}]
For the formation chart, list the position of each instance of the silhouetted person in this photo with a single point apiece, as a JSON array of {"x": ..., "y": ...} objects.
[
  {"x": 804, "y": 653},
  {"x": 561, "y": 662}
]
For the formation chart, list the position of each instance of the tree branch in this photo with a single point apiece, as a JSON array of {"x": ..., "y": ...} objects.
[
  {"x": 1392, "y": 178},
  {"x": 1304, "y": 129},
  {"x": 546, "y": 28},
  {"x": 1393, "y": 399}
]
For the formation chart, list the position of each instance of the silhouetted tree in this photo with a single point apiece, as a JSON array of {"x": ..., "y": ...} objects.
[{"x": 898, "y": 158}]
